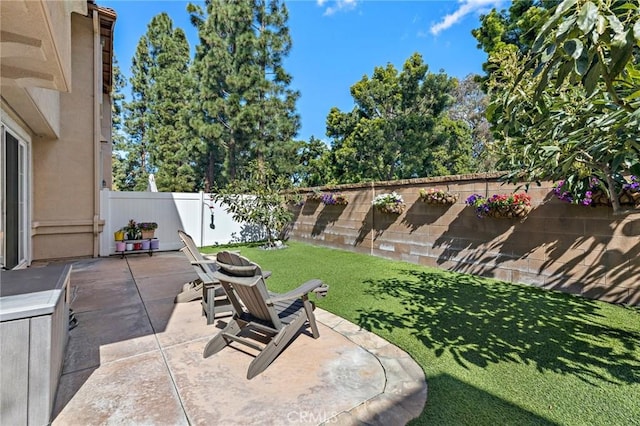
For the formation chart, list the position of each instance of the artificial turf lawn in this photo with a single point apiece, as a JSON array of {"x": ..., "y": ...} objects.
[{"x": 492, "y": 352}]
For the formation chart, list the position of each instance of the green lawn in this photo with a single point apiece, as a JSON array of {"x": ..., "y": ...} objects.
[{"x": 492, "y": 352}]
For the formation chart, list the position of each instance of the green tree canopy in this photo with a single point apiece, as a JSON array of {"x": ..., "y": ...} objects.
[
  {"x": 258, "y": 197},
  {"x": 122, "y": 168},
  {"x": 315, "y": 164},
  {"x": 136, "y": 117},
  {"x": 387, "y": 134},
  {"x": 156, "y": 119},
  {"x": 174, "y": 148},
  {"x": 246, "y": 110},
  {"x": 569, "y": 109},
  {"x": 469, "y": 107}
]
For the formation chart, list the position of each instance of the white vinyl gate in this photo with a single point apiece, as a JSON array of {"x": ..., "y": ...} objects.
[{"x": 190, "y": 212}]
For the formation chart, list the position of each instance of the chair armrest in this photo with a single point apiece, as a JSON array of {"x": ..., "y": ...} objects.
[{"x": 297, "y": 293}]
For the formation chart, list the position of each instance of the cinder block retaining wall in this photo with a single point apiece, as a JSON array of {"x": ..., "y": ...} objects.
[{"x": 559, "y": 246}]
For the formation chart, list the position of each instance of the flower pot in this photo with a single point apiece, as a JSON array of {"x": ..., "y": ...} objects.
[
  {"x": 441, "y": 200},
  {"x": 146, "y": 244},
  {"x": 118, "y": 235},
  {"x": 155, "y": 244},
  {"x": 507, "y": 212},
  {"x": 120, "y": 246},
  {"x": 137, "y": 246},
  {"x": 129, "y": 246},
  {"x": 392, "y": 208},
  {"x": 147, "y": 235}
]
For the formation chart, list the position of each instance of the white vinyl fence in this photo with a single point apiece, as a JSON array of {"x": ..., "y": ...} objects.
[{"x": 190, "y": 212}]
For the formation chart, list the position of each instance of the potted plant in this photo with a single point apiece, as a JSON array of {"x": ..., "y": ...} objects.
[
  {"x": 147, "y": 229},
  {"x": 329, "y": 198},
  {"x": 119, "y": 235},
  {"x": 389, "y": 203},
  {"x": 501, "y": 205},
  {"x": 438, "y": 196},
  {"x": 132, "y": 232}
]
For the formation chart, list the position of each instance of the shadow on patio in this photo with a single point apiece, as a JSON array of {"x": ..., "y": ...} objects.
[{"x": 136, "y": 358}]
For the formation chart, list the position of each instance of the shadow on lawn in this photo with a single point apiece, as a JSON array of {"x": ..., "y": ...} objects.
[
  {"x": 480, "y": 322},
  {"x": 453, "y": 402}
]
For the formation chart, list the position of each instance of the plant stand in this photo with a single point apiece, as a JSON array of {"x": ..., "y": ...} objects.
[{"x": 153, "y": 245}]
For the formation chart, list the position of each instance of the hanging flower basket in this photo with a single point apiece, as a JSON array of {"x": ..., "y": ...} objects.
[
  {"x": 590, "y": 193},
  {"x": 389, "y": 203},
  {"x": 438, "y": 197},
  {"x": 315, "y": 196},
  {"x": 501, "y": 205},
  {"x": 329, "y": 199},
  {"x": 629, "y": 197},
  {"x": 513, "y": 211}
]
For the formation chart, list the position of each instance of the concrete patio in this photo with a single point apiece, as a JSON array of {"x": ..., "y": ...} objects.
[{"x": 135, "y": 358}]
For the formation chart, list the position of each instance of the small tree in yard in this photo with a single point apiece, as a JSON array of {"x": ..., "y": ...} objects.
[
  {"x": 258, "y": 199},
  {"x": 570, "y": 108}
]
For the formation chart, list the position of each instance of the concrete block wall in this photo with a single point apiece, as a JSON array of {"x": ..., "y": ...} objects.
[{"x": 576, "y": 249}]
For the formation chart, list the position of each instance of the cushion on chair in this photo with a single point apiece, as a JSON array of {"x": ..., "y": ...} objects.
[
  {"x": 239, "y": 271},
  {"x": 234, "y": 264}
]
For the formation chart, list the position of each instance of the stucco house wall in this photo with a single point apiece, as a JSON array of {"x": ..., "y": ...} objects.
[
  {"x": 63, "y": 168},
  {"x": 58, "y": 100}
]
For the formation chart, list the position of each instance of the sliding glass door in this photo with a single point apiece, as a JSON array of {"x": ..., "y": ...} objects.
[{"x": 14, "y": 232}]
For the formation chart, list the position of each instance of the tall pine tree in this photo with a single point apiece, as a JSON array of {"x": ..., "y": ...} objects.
[
  {"x": 136, "y": 117},
  {"x": 247, "y": 110},
  {"x": 162, "y": 141},
  {"x": 174, "y": 149},
  {"x": 121, "y": 167}
]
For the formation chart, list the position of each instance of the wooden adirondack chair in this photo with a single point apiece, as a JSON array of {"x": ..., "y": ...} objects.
[
  {"x": 264, "y": 321},
  {"x": 206, "y": 286},
  {"x": 204, "y": 268}
]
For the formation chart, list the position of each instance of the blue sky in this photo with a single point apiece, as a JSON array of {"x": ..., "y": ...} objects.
[{"x": 335, "y": 43}]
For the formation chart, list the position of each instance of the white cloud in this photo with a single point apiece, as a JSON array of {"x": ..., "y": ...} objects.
[
  {"x": 466, "y": 7},
  {"x": 339, "y": 5}
]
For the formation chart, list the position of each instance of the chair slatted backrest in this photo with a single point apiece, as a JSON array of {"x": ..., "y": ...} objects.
[
  {"x": 194, "y": 253},
  {"x": 238, "y": 271},
  {"x": 201, "y": 269},
  {"x": 254, "y": 297}
]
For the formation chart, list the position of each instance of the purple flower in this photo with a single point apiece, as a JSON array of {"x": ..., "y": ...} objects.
[
  {"x": 633, "y": 185},
  {"x": 328, "y": 199}
]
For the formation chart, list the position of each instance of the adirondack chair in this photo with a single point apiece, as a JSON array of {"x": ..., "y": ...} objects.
[
  {"x": 214, "y": 299},
  {"x": 193, "y": 290},
  {"x": 264, "y": 321}
]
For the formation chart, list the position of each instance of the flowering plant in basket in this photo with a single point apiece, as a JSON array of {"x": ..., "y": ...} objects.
[
  {"x": 437, "y": 196},
  {"x": 147, "y": 229},
  {"x": 389, "y": 203},
  {"x": 148, "y": 226},
  {"x": 501, "y": 205},
  {"x": 329, "y": 198},
  {"x": 591, "y": 191}
]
